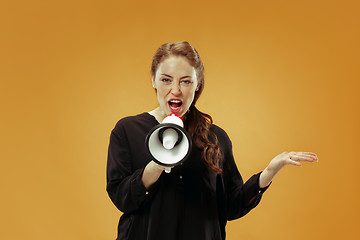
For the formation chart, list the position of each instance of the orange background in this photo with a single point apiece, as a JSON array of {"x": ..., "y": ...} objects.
[{"x": 280, "y": 76}]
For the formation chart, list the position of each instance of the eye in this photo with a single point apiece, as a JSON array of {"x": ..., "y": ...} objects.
[
  {"x": 186, "y": 82},
  {"x": 166, "y": 80}
]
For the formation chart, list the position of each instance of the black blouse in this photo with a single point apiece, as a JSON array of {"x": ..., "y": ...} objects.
[{"x": 190, "y": 202}]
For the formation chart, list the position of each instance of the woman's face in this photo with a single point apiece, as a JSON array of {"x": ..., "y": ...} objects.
[{"x": 175, "y": 82}]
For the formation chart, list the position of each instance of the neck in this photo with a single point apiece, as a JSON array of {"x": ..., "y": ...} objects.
[{"x": 158, "y": 114}]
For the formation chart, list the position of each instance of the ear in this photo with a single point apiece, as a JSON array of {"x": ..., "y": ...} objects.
[{"x": 198, "y": 87}]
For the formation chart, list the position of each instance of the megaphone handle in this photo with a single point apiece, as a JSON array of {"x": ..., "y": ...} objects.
[{"x": 167, "y": 170}]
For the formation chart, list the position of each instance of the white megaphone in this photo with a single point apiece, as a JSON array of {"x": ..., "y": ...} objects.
[{"x": 168, "y": 143}]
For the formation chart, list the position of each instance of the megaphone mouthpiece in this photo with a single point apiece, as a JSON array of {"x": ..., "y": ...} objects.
[{"x": 170, "y": 137}]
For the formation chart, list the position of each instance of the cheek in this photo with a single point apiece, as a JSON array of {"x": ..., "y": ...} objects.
[
  {"x": 161, "y": 93},
  {"x": 190, "y": 95}
]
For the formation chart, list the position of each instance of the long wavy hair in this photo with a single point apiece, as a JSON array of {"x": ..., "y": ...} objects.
[{"x": 196, "y": 123}]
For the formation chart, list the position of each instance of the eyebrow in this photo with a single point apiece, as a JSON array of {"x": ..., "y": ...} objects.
[{"x": 172, "y": 77}]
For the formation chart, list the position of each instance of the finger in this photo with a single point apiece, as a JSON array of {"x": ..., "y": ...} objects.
[
  {"x": 289, "y": 154},
  {"x": 303, "y": 158},
  {"x": 161, "y": 167},
  {"x": 292, "y": 162},
  {"x": 308, "y": 153},
  {"x": 305, "y": 154},
  {"x": 293, "y": 153}
]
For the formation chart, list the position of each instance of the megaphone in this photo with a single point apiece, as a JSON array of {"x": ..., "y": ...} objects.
[{"x": 168, "y": 143}]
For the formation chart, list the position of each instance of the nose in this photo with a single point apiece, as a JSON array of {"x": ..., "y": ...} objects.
[{"x": 175, "y": 89}]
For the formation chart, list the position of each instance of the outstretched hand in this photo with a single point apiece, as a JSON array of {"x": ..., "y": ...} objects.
[
  {"x": 281, "y": 160},
  {"x": 293, "y": 158}
]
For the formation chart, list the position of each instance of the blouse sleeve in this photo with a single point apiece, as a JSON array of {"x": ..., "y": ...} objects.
[
  {"x": 124, "y": 185},
  {"x": 241, "y": 197}
]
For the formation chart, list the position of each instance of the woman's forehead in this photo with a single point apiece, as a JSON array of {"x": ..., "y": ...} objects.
[{"x": 177, "y": 65}]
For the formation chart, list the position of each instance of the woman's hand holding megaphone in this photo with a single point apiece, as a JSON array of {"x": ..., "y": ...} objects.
[
  {"x": 152, "y": 173},
  {"x": 163, "y": 168}
]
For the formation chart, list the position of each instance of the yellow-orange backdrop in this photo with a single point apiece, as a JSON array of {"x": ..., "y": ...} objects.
[{"x": 280, "y": 76}]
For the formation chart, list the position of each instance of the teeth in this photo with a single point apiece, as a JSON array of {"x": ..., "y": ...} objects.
[{"x": 175, "y": 104}]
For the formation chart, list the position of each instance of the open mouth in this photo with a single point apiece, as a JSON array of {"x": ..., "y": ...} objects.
[{"x": 175, "y": 105}]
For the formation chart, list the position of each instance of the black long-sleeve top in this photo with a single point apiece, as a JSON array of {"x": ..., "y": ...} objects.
[{"x": 189, "y": 203}]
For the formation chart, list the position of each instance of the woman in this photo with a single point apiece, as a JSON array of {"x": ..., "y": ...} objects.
[{"x": 197, "y": 198}]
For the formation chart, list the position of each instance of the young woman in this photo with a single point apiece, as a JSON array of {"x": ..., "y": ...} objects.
[{"x": 197, "y": 198}]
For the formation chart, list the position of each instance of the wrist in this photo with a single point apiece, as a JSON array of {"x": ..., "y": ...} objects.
[
  {"x": 151, "y": 174},
  {"x": 266, "y": 177}
]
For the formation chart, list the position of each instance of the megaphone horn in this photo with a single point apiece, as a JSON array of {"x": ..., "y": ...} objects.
[{"x": 168, "y": 143}]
